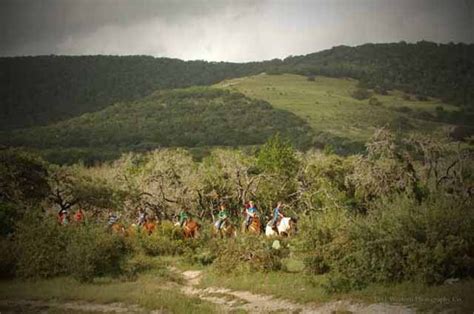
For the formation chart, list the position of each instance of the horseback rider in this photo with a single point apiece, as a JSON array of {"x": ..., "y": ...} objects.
[
  {"x": 79, "y": 216},
  {"x": 277, "y": 214},
  {"x": 183, "y": 217},
  {"x": 250, "y": 212},
  {"x": 221, "y": 217},
  {"x": 112, "y": 219},
  {"x": 142, "y": 217},
  {"x": 63, "y": 217}
]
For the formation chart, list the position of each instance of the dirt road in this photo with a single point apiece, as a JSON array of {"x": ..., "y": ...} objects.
[{"x": 230, "y": 300}]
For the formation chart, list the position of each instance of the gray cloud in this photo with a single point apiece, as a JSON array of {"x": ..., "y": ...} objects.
[{"x": 223, "y": 30}]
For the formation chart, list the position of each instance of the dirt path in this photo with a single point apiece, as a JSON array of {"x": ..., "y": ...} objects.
[
  {"x": 36, "y": 306},
  {"x": 230, "y": 300}
]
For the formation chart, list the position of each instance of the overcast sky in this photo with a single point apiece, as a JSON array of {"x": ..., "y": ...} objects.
[{"x": 218, "y": 30}]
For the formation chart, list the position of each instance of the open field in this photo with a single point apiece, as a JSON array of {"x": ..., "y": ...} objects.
[{"x": 327, "y": 105}]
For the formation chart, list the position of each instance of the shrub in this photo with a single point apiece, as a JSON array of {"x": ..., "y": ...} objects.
[
  {"x": 165, "y": 240},
  {"x": 421, "y": 97},
  {"x": 41, "y": 246},
  {"x": 135, "y": 264},
  {"x": 403, "y": 109},
  {"x": 206, "y": 252},
  {"x": 318, "y": 232},
  {"x": 361, "y": 94},
  {"x": 374, "y": 101},
  {"x": 398, "y": 240},
  {"x": 424, "y": 115},
  {"x": 9, "y": 213},
  {"x": 93, "y": 251},
  {"x": 247, "y": 254},
  {"x": 46, "y": 249},
  {"x": 8, "y": 260},
  {"x": 381, "y": 90}
]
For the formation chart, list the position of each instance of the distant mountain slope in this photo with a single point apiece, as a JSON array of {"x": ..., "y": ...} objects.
[
  {"x": 444, "y": 71},
  {"x": 47, "y": 89},
  {"x": 192, "y": 117}
]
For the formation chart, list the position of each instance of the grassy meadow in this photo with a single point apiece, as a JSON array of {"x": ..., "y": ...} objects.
[{"x": 328, "y": 107}]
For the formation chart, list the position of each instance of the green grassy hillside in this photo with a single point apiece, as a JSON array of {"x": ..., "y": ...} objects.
[
  {"x": 195, "y": 117},
  {"x": 425, "y": 68},
  {"x": 337, "y": 117}
]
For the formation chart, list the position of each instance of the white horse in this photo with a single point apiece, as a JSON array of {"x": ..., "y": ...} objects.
[{"x": 285, "y": 227}]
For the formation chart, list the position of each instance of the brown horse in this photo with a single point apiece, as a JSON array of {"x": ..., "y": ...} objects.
[
  {"x": 254, "y": 227},
  {"x": 118, "y": 228},
  {"x": 191, "y": 229},
  {"x": 149, "y": 227},
  {"x": 227, "y": 230}
]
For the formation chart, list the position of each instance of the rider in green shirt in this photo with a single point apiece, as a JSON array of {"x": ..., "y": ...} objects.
[
  {"x": 221, "y": 217},
  {"x": 183, "y": 217}
]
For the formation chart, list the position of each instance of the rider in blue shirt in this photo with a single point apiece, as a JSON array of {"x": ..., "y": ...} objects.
[
  {"x": 276, "y": 214},
  {"x": 112, "y": 219},
  {"x": 142, "y": 217}
]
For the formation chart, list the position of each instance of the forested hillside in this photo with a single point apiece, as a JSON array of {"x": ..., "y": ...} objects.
[
  {"x": 194, "y": 117},
  {"x": 46, "y": 89},
  {"x": 41, "y": 90}
]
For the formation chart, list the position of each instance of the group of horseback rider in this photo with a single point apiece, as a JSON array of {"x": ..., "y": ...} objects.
[
  {"x": 250, "y": 212},
  {"x": 63, "y": 217},
  {"x": 184, "y": 216}
]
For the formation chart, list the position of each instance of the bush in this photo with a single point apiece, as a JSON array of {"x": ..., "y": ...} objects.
[
  {"x": 421, "y": 97},
  {"x": 9, "y": 213},
  {"x": 374, "y": 101},
  {"x": 206, "y": 252},
  {"x": 135, "y": 264},
  {"x": 93, "y": 251},
  {"x": 319, "y": 231},
  {"x": 381, "y": 90},
  {"x": 361, "y": 94},
  {"x": 41, "y": 246},
  {"x": 8, "y": 260},
  {"x": 403, "y": 109},
  {"x": 46, "y": 249},
  {"x": 165, "y": 240},
  {"x": 398, "y": 240},
  {"x": 424, "y": 115},
  {"x": 248, "y": 254}
]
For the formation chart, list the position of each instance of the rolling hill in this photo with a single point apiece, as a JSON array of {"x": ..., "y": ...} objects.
[
  {"x": 445, "y": 71},
  {"x": 47, "y": 89},
  {"x": 194, "y": 117},
  {"x": 335, "y": 116}
]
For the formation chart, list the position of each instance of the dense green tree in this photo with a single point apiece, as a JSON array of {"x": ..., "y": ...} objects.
[{"x": 277, "y": 156}]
